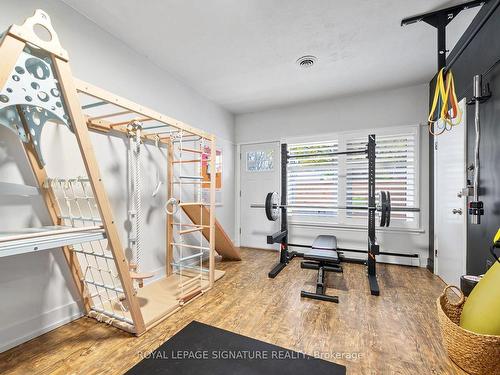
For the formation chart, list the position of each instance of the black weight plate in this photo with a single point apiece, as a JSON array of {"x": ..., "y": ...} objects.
[
  {"x": 272, "y": 209},
  {"x": 388, "y": 211},
  {"x": 382, "y": 199}
]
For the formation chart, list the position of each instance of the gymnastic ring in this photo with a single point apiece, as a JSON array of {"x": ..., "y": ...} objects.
[{"x": 175, "y": 206}]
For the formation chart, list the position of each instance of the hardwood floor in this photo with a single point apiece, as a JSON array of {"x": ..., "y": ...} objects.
[{"x": 395, "y": 333}]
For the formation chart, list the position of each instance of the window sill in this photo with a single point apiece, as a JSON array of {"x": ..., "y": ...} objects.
[{"x": 359, "y": 228}]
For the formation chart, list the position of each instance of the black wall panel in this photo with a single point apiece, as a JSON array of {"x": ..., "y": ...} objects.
[{"x": 479, "y": 56}]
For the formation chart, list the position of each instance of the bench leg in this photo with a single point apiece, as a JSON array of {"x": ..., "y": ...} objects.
[
  {"x": 374, "y": 288},
  {"x": 276, "y": 270},
  {"x": 320, "y": 288},
  {"x": 321, "y": 297}
]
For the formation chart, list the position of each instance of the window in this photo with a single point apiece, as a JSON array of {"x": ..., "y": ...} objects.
[
  {"x": 260, "y": 161},
  {"x": 313, "y": 180},
  {"x": 394, "y": 171},
  {"x": 330, "y": 180}
]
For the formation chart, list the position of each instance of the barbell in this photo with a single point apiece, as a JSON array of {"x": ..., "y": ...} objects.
[{"x": 272, "y": 206}]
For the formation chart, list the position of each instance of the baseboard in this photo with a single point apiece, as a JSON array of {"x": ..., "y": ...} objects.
[
  {"x": 159, "y": 273},
  {"x": 26, "y": 330}
]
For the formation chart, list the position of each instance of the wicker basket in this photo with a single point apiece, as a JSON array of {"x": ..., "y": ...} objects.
[{"x": 474, "y": 353}]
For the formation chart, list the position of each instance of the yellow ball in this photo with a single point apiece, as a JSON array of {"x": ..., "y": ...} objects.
[{"x": 481, "y": 311}]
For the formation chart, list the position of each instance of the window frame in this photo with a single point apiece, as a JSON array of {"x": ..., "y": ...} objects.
[{"x": 341, "y": 220}]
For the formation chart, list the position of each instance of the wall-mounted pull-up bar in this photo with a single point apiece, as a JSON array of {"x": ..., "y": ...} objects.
[{"x": 440, "y": 19}]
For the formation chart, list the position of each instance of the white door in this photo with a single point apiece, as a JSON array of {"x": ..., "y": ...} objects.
[
  {"x": 451, "y": 208},
  {"x": 259, "y": 174}
]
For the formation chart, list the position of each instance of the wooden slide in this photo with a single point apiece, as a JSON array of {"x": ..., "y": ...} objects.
[{"x": 223, "y": 244}]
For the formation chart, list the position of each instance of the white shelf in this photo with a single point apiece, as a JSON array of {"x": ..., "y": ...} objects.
[{"x": 43, "y": 238}]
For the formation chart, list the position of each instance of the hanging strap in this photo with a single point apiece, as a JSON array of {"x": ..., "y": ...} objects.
[{"x": 444, "y": 94}]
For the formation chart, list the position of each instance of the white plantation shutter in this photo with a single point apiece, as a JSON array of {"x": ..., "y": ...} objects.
[
  {"x": 313, "y": 181},
  {"x": 395, "y": 172}
]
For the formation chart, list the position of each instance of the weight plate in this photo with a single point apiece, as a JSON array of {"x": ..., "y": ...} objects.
[
  {"x": 382, "y": 201},
  {"x": 388, "y": 211},
  {"x": 272, "y": 206}
]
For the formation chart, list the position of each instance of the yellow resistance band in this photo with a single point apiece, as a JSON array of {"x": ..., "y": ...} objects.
[{"x": 446, "y": 94}]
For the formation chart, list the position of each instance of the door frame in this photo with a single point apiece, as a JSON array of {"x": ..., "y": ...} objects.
[
  {"x": 466, "y": 199},
  {"x": 237, "y": 192}
]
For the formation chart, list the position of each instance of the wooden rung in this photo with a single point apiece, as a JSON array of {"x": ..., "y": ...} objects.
[
  {"x": 144, "y": 119},
  {"x": 186, "y": 231},
  {"x": 190, "y": 204},
  {"x": 190, "y": 288},
  {"x": 190, "y": 246},
  {"x": 187, "y": 161},
  {"x": 109, "y": 115},
  {"x": 192, "y": 150},
  {"x": 188, "y": 296},
  {"x": 190, "y": 281},
  {"x": 190, "y": 225},
  {"x": 191, "y": 182}
]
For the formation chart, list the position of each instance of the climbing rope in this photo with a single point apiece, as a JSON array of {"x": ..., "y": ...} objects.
[
  {"x": 135, "y": 196},
  {"x": 158, "y": 180},
  {"x": 138, "y": 183}
]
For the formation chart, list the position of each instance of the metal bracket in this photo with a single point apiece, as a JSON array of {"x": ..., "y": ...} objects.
[
  {"x": 440, "y": 19},
  {"x": 32, "y": 93},
  {"x": 28, "y": 33}
]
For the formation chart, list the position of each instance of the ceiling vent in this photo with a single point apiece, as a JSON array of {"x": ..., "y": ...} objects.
[{"x": 307, "y": 62}]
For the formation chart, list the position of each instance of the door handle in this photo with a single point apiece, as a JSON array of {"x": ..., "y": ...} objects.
[{"x": 456, "y": 211}]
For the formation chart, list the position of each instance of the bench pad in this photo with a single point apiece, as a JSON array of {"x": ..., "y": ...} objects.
[
  {"x": 329, "y": 256},
  {"x": 325, "y": 242},
  {"x": 323, "y": 250}
]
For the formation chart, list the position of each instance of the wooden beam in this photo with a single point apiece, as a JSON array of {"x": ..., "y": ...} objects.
[
  {"x": 213, "y": 157},
  {"x": 53, "y": 209},
  {"x": 104, "y": 95},
  {"x": 170, "y": 219},
  {"x": 10, "y": 49},
  {"x": 69, "y": 93}
]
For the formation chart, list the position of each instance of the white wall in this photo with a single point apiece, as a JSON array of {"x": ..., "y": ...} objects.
[
  {"x": 36, "y": 289},
  {"x": 406, "y": 106}
]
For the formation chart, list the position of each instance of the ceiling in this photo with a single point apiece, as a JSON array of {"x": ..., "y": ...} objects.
[{"x": 242, "y": 54}]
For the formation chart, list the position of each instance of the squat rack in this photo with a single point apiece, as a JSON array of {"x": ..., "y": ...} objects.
[{"x": 281, "y": 237}]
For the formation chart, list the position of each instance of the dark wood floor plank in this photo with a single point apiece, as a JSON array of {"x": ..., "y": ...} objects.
[{"x": 395, "y": 333}]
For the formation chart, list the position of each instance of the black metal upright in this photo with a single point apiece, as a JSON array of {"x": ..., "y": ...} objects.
[
  {"x": 373, "y": 247},
  {"x": 282, "y": 235},
  {"x": 284, "y": 198},
  {"x": 286, "y": 255}
]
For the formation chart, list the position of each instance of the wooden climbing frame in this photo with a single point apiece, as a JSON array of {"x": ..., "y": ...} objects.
[{"x": 114, "y": 297}]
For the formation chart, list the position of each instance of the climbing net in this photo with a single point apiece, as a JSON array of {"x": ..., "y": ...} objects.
[{"x": 78, "y": 208}]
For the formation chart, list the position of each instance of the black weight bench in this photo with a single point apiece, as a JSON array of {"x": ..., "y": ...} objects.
[{"x": 323, "y": 257}]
